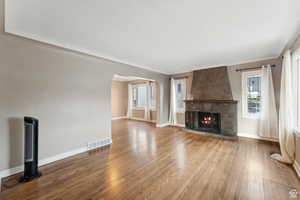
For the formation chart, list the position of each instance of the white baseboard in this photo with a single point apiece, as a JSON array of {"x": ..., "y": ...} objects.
[
  {"x": 162, "y": 125},
  {"x": 168, "y": 124},
  {"x": 116, "y": 118},
  {"x": 297, "y": 168},
  {"x": 143, "y": 120},
  {"x": 256, "y": 137},
  {"x": 8, "y": 172},
  {"x": 179, "y": 125}
]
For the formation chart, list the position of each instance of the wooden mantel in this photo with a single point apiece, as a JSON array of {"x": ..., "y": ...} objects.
[{"x": 210, "y": 101}]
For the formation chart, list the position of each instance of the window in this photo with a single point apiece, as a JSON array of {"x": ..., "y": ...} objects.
[
  {"x": 152, "y": 96},
  {"x": 180, "y": 93},
  {"x": 139, "y": 96},
  {"x": 251, "y": 86}
]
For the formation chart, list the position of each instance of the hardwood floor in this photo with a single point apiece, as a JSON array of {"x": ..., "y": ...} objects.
[{"x": 145, "y": 162}]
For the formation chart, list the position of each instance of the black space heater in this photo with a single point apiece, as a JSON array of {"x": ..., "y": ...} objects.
[{"x": 31, "y": 147}]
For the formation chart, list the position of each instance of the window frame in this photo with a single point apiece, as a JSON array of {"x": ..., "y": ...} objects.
[
  {"x": 135, "y": 86},
  {"x": 245, "y": 76},
  {"x": 183, "y": 82},
  {"x": 153, "y": 94}
]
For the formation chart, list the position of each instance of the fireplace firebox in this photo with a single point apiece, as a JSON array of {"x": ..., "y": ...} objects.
[{"x": 203, "y": 121}]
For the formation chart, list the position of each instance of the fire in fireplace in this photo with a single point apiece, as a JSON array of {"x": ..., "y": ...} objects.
[
  {"x": 203, "y": 121},
  {"x": 207, "y": 120}
]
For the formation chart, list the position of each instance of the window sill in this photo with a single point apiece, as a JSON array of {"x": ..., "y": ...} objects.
[
  {"x": 251, "y": 117},
  {"x": 180, "y": 111},
  {"x": 138, "y": 108}
]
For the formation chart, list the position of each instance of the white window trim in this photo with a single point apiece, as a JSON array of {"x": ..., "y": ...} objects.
[
  {"x": 153, "y": 108},
  {"x": 138, "y": 108},
  {"x": 142, "y": 108},
  {"x": 135, "y": 86},
  {"x": 183, "y": 81},
  {"x": 245, "y": 75}
]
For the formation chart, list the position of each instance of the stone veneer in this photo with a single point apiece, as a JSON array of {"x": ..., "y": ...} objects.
[
  {"x": 211, "y": 92},
  {"x": 227, "y": 110},
  {"x": 211, "y": 84}
]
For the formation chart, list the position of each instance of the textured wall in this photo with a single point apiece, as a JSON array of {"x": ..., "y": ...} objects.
[
  {"x": 69, "y": 92},
  {"x": 211, "y": 83},
  {"x": 119, "y": 98}
]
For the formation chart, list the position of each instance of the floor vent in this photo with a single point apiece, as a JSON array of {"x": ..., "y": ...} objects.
[{"x": 98, "y": 143}]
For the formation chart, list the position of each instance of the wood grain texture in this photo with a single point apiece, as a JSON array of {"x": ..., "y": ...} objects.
[{"x": 145, "y": 162}]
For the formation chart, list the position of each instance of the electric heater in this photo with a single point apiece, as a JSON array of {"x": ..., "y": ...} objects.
[{"x": 31, "y": 140}]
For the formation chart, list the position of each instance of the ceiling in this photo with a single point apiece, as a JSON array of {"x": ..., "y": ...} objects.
[
  {"x": 117, "y": 77},
  {"x": 168, "y": 36}
]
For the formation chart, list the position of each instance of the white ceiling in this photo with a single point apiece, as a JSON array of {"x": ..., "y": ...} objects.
[{"x": 168, "y": 36}]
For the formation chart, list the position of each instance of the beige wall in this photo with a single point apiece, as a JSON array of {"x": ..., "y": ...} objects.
[
  {"x": 69, "y": 92},
  {"x": 153, "y": 115},
  {"x": 139, "y": 114},
  {"x": 180, "y": 117},
  {"x": 119, "y": 98}
]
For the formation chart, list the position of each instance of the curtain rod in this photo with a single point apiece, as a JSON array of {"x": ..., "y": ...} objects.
[{"x": 251, "y": 68}]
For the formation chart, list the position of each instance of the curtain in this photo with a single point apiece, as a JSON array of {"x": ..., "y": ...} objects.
[
  {"x": 268, "y": 119},
  {"x": 286, "y": 116},
  {"x": 172, "y": 115},
  {"x": 130, "y": 100},
  {"x": 147, "y": 102}
]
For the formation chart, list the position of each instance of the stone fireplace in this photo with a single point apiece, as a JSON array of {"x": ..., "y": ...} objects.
[{"x": 212, "y": 108}]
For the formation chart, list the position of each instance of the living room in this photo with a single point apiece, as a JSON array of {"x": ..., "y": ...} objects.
[{"x": 149, "y": 99}]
